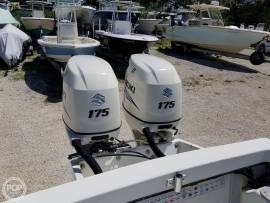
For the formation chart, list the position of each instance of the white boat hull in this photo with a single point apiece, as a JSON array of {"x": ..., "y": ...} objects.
[
  {"x": 131, "y": 36},
  {"x": 62, "y": 52},
  {"x": 225, "y": 39},
  {"x": 34, "y": 25},
  {"x": 126, "y": 43}
]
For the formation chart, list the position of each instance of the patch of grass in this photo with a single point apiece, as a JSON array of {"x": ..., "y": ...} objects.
[
  {"x": 30, "y": 66},
  {"x": 2, "y": 73},
  {"x": 18, "y": 73},
  {"x": 39, "y": 76},
  {"x": 163, "y": 43}
]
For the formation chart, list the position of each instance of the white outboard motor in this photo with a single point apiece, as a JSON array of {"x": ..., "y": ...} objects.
[
  {"x": 90, "y": 100},
  {"x": 152, "y": 97}
]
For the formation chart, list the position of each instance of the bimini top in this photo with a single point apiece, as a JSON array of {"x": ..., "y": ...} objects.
[{"x": 207, "y": 6}]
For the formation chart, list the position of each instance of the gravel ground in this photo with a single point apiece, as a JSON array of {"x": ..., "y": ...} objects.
[{"x": 224, "y": 100}]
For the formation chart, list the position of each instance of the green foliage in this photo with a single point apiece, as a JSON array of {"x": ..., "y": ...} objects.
[{"x": 248, "y": 13}]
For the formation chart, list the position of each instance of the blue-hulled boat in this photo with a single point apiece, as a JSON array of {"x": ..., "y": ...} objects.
[{"x": 67, "y": 43}]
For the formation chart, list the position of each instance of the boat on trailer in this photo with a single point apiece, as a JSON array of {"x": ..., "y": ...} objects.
[
  {"x": 119, "y": 35},
  {"x": 209, "y": 33},
  {"x": 217, "y": 38},
  {"x": 67, "y": 43},
  {"x": 38, "y": 25}
]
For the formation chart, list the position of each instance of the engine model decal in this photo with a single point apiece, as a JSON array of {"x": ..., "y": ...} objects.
[
  {"x": 129, "y": 98},
  {"x": 150, "y": 122},
  {"x": 99, "y": 113},
  {"x": 166, "y": 105},
  {"x": 130, "y": 87}
]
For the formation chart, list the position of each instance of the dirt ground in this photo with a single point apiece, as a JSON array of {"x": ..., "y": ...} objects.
[{"x": 225, "y": 100}]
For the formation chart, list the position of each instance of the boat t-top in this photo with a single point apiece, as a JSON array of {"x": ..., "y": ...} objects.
[
  {"x": 37, "y": 24},
  {"x": 207, "y": 31},
  {"x": 209, "y": 14},
  {"x": 84, "y": 15},
  {"x": 119, "y": 34},
  {"x": 67, "y": 43},
  {"x": 105, "y": 13}
]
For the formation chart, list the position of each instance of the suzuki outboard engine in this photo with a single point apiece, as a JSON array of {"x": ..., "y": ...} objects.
[
  {"x": 90, "y": 99},
  {"x": 152, "y": 98},
  {"x": 91, "y": 108}
]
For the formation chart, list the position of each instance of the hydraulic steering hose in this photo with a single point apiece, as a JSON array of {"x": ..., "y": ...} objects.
[
  {"x": 152, "y": 143},
  {"x": 86, "y": 156}
]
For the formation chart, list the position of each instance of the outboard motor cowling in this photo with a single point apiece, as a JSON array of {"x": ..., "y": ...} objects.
[
  {"x": 90, "y": 99},
  {"x": 152, "y": 96}
]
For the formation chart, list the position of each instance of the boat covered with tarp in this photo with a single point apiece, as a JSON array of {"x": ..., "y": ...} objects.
[{"x": 13, "y": 44}]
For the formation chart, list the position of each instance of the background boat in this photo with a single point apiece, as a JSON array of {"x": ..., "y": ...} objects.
[
  {"x": 38, "y": 24},
  {"x": 119, "y": 34},
  {"x": 207, "y": 31},
  {"x": 67, "y": 43},
  {"x": 61, "y": 52},
  {"x": 226, "y": 39}
]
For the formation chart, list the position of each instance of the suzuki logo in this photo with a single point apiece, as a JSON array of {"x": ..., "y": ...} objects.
[
  {"x": 98, "y": 100},
  {"x": 167, "y": 92}
]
